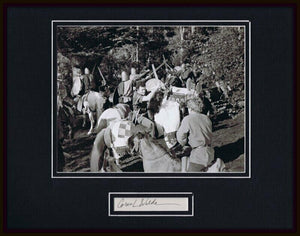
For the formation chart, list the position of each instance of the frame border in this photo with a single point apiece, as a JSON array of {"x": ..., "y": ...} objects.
[
  {"x": 216, "y": 3},
  {"x": 157, "y": 175}
]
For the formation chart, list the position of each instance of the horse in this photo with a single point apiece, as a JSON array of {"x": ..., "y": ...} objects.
[
  {"x": 155, "y": 157},
  {"x": 92, "y": 102},
  {"x": 123, "y": 136},
  {"x": 89, "y": 103},
  {"x": 118, "y": 112},
  {"x": 116, "y": 137},
  {"x": 167, "y": 115}
]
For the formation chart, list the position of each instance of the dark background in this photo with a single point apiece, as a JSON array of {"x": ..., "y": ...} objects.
[{"x": 35, "y": 201}]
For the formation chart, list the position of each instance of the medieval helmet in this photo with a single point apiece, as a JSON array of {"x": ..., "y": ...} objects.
[
  {"x": 86, "y": 71},
  {"x": 133, "y": 71},
  {"x": 124, "y": 76}
]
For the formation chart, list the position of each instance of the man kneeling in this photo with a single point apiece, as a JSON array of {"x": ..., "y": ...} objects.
[{"x": 196, "y": 130}]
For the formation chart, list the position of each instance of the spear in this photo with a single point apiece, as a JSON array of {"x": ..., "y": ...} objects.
[
  {"x": 154, "y": 71},
  {"x": 94, "y": 68},
  {"x": 157, "y": 68},
  {"x": 166, "y": 64},
  {"x": 102, "y": 76}
]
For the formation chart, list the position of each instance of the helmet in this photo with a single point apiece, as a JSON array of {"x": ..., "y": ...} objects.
[
  {"x": 133, "y": 71},
  {"x": 86, "y": 71},
  {"x": 124, "y": 76}
]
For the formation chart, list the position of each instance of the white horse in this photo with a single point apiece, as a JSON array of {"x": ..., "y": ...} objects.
[
  {"x": 91, "y": 103},
  {"x": 118, "y": 112}
]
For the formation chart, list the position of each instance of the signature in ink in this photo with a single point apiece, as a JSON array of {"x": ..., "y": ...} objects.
[{"x": 140, "y": 202}]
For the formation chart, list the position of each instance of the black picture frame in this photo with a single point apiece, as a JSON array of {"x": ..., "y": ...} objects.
[{"x": 33, "y": 202}]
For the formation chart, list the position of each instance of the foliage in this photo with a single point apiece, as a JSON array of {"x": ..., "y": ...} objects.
[{"x": 218, "y": 51}]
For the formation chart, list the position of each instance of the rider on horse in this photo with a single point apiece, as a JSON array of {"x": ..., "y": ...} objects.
[{"x": 88, "y": 81}]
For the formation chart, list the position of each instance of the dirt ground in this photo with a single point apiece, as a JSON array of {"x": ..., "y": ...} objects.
[{"x": 228, "y": 142}]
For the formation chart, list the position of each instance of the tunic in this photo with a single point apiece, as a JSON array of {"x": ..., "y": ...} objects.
[
  {"x": 125, "y": 91},
  {"x": 196, "y": 130}
]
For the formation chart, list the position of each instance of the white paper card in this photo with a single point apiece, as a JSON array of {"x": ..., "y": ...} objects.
[{"x": 151, "y": 204}]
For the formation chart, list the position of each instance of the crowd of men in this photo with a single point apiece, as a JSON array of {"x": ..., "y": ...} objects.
[{"x": 196, "y": 127}]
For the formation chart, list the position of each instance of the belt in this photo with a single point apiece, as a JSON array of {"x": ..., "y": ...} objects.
[{"x": 207, "y": 145}]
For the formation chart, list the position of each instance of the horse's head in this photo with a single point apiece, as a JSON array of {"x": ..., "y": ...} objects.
[
  {"x": 139, "y": 132},
  {"x": 104, "y": 100},
  {"x": 141, "y": 142}
]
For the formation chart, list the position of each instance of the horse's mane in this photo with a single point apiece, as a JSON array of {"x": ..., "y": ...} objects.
[{"x": 143, "y": 135}]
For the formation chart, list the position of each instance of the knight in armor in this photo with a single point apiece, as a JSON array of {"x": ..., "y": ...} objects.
[
  {"x": 125, "y": 89},
  {"x": 93, "y": 86},
  {"x": 86, "y": 80}
]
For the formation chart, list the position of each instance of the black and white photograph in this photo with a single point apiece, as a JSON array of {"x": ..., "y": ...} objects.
[
  {"x": 150, "y": 118},
  {"x": 150, "y": 98}
]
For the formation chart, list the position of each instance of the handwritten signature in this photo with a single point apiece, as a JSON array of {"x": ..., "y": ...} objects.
[{"x": 140, "y": 202}]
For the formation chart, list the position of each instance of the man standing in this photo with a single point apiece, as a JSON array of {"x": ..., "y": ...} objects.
[{"x": 196, "y": 130}]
